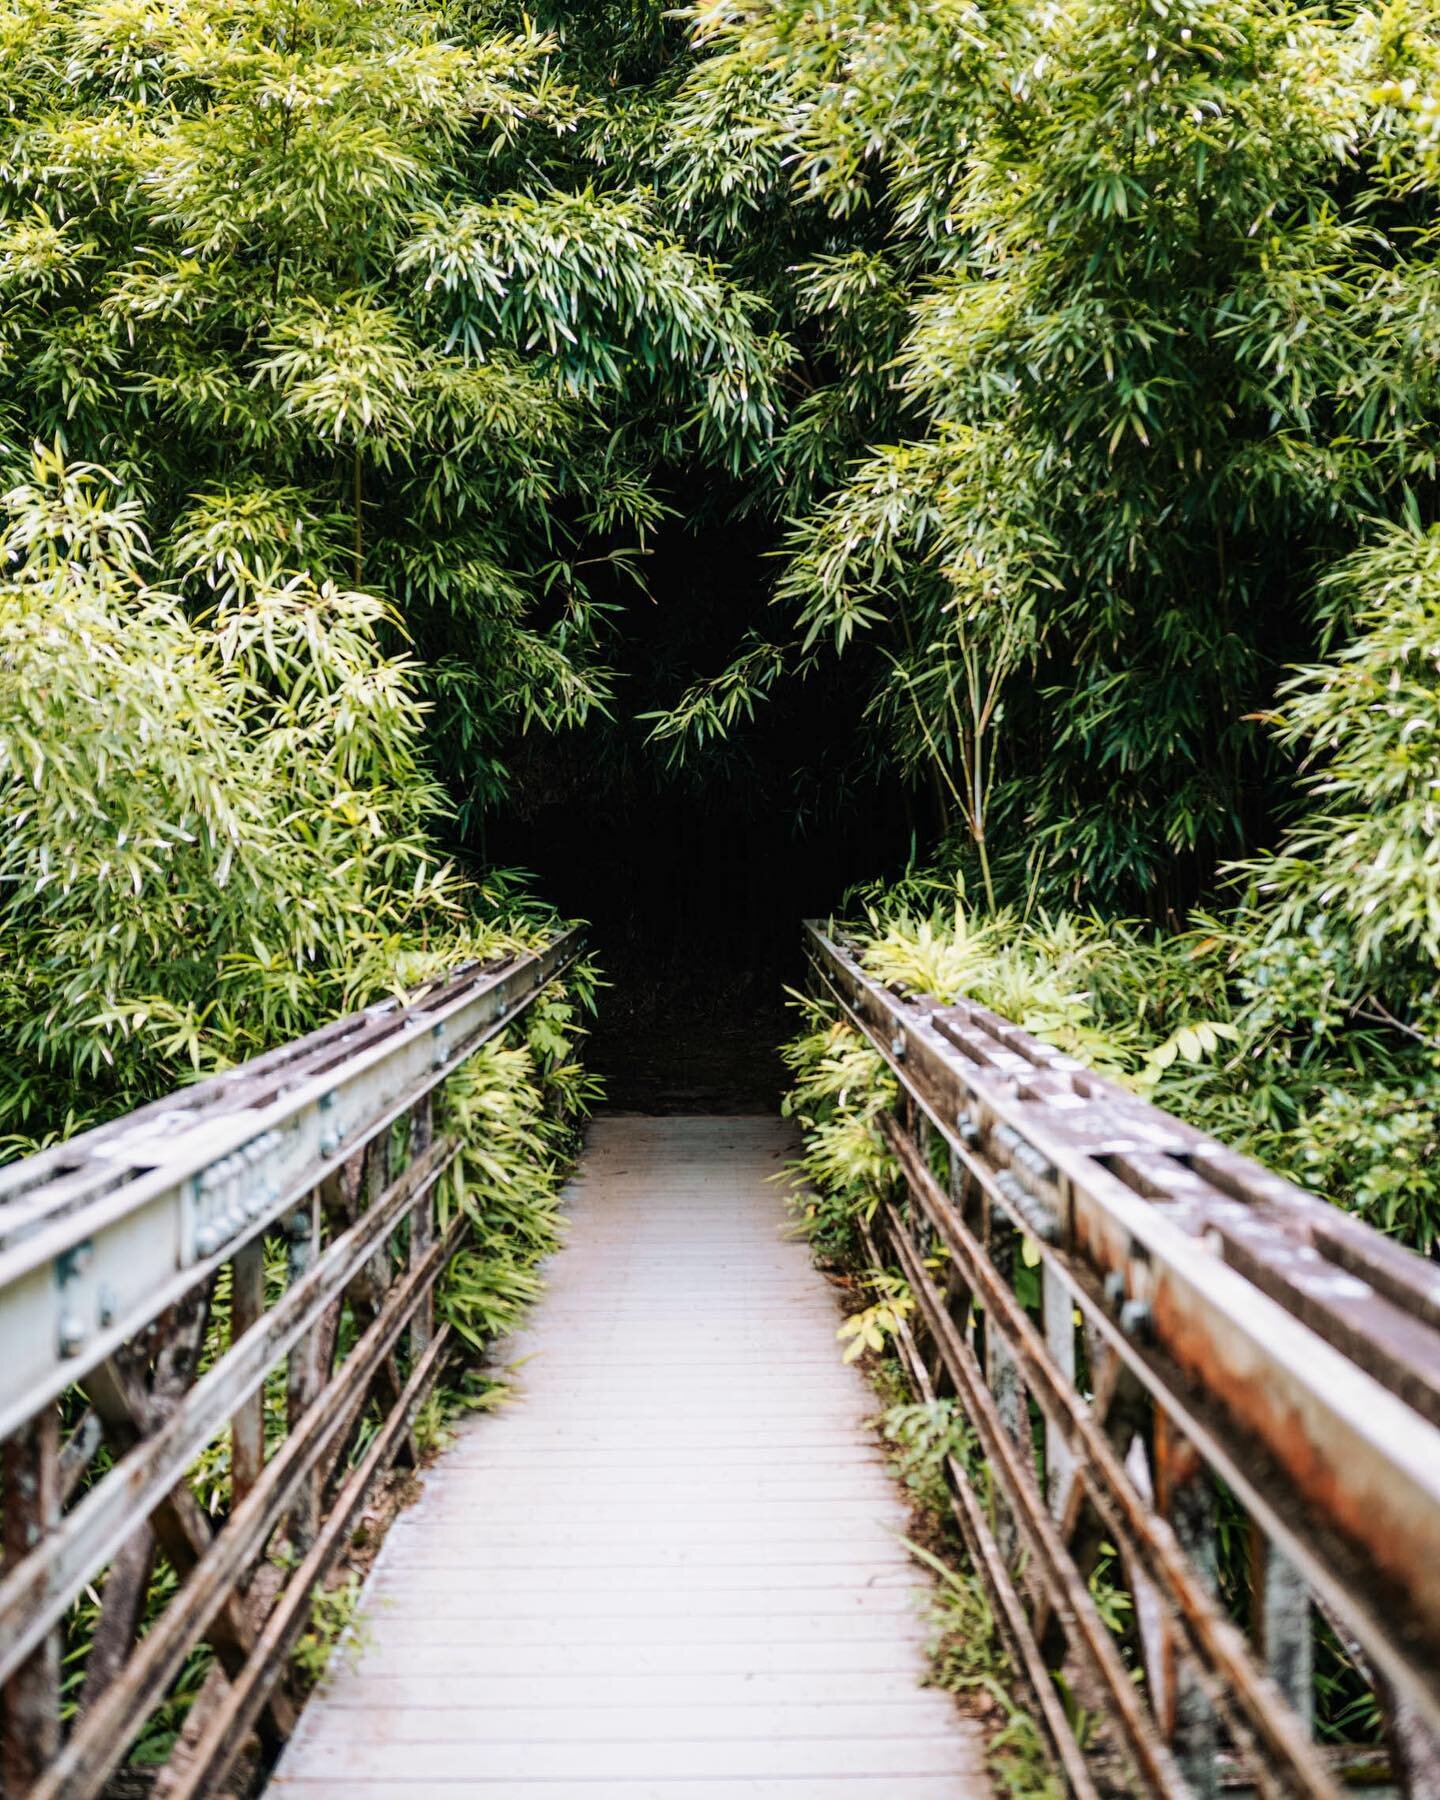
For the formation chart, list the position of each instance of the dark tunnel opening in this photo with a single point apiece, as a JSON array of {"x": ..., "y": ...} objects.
[{"x": 695, "y": 878}]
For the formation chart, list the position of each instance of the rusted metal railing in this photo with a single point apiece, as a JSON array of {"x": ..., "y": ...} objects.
[
  {"x": 1207, "y": 1350},
  {"x": 139, "y": 1326}
]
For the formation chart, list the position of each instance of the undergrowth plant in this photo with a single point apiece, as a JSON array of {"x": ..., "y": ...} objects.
[
  {"x": 335, "y": 1626},
  {"x": 1275, "y": 1026},
  {"x": 968, "y": 1657}
]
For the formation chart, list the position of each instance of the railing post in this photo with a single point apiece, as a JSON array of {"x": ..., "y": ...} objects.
[
  {"x": 377, "y": 1179},
  {"x": 1185, "y": 1496},
  {"x": 1057, "y": 1307},
  {"x": 1002, "y": 1376},
  {"x": 247, "y": 1428},
  {"x": 920, "y": 1129},
  {"x": 1284, "y": 1631},
  {"x": 959, "y": 1299},
  {"x": 30, "y": 1716},
  {"x": 302, "y": 1375},
  {"x": 422, "y": 1228}
]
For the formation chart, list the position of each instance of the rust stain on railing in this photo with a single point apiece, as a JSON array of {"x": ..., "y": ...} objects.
[{"x": 1200, "y": 1323}]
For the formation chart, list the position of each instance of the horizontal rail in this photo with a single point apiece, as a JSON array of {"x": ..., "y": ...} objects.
[
  {"x": 158, "y": 1278},
  {"x": 98, "y": 1236},
  {"x": 1231, "y": 1325}
]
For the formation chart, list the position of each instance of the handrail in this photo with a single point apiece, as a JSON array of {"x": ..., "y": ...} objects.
[
  {"x": 1229, "y": 1325},
  {"x": 112, "y": 1249}
]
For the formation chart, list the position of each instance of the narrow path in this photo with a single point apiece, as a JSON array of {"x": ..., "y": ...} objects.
[{"x": 672, "y": 1568}]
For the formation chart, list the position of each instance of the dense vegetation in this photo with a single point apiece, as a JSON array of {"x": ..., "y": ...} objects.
[
  {"x": 1114, "y": 477},
  {"x": 1080, "y": 360}
]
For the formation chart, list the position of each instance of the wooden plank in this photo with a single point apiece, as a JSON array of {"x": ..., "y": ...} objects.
[
  {"x": 676, "y": 1561},
  {"x": 463, "y": 1722},
  {"x": 649, "y": 1606},
  {"x": 531, "y": 1654},
  {"x": 452, "y": 1685},
  {"x": 702, "y": 1787},
  {"x": 833, "y": 1756}
]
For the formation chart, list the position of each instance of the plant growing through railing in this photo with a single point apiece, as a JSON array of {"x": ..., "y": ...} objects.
[
  {"x": 874, "y": 1327},
  {"x": 336, "y": 1626},
  {"x": 968, "y": 1658},
  {"x": 840, "y": 1087},
  {"x": 1255, "y": 1026},
  {"x": 923, "y": 1434}
]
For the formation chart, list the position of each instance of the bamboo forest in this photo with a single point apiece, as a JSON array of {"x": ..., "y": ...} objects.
[{"x": 719, "y": 899}]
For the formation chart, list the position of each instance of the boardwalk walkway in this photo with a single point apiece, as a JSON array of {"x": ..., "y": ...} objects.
[{"x": 671, "y": 1569}]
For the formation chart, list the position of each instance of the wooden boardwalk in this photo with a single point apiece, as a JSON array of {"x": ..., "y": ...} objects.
[{"x": 673, "y": 1567}]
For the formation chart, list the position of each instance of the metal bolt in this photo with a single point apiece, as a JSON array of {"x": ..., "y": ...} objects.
[
  {"x": 897, "y": 1047},
  {"x": 1136, "y": 1319},
  {"x": 107, "y": 1306},
  {"x": 207, "y": 1239},
  {"x": 72, "y": 1335},
  {"x": 969, "y": 1130},
  {"x": 1115, "y": 1287},
  {"x": 1036, "y": 1162},
  {"x": 74, "y": 1261},
  {"x": 332, "y": 1133}
]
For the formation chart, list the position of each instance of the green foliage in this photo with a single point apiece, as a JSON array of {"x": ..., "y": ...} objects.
[
  {"x": 840, "y": 1088},
  {"x": 219, "y": 821},
  {"x": 335, "y": 1626},
  {"x": 330, "y": 286},
  {"x": 968, "y": 1656},
  {"x": 924, "y": 1434},
  {"x": 1114, "y": 328},
  {"x": 1363, "y": 863}
]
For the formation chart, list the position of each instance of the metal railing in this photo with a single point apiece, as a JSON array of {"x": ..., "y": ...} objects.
[
  {"x": 124, "y": 1256},
  {"x": 1207, "y": 1350}
]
